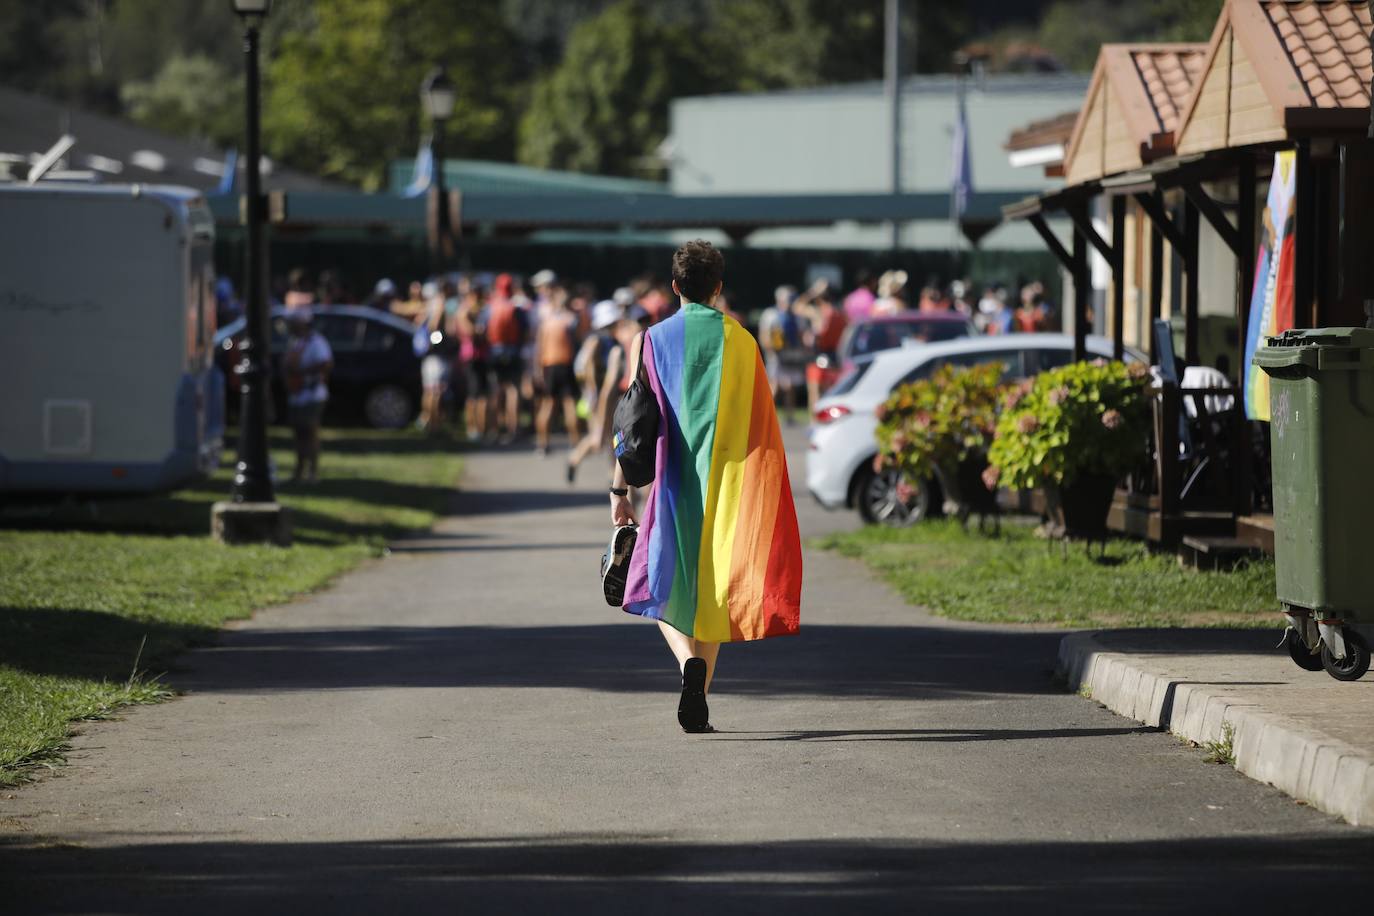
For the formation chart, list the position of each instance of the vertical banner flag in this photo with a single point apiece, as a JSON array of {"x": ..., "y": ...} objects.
[
  {"x": 961, "y": 181},
  {"x": 423, "y": 174},
  {"x": 1271, "y": 298}
]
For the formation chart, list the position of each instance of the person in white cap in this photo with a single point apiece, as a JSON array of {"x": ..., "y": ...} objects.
[
  {"x": 308, "y": 363},
  {"x": 599, "y": 358},
  {"x": 383, "y": 294}
]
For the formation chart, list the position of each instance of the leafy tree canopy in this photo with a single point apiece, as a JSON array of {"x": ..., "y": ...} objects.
[
  {"x": 343, "y": 95},
  {"x": 187, "y": 97},
  {"x": 605, "y": 107},
  {"x": 579, "y": 84}
]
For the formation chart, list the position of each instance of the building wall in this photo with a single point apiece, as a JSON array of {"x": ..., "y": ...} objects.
[{"x": 836, "y": 140}]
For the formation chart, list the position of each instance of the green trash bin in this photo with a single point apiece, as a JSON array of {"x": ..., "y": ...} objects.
[{"x": 1321, "y": 404}]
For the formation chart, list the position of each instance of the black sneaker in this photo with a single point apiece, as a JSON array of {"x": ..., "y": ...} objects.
[
  {"x": 692, "y": 712},
  {"x": 615, "y": 564}
]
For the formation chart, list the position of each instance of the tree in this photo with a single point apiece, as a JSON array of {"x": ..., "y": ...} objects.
[
  {"x": 1074, "y": 30},
  {"x": 777, "y": 44},
  {"x": 342, "y": 95},
  {"x": 191, "y": 97},
  {"x": 604, "y": 108}
]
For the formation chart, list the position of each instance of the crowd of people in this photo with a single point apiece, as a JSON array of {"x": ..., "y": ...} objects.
[{"x": 508, "y": 358}]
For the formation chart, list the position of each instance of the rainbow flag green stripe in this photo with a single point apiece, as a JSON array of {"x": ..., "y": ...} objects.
[{"x": 719, "y": 554}]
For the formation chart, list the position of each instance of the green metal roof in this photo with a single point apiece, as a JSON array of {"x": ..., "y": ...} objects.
[
  {"x": 525, "y": 212},
  {"x": 483, "y": 176}
]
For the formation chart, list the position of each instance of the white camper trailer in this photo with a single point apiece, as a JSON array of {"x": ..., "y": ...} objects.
[{"x": 107, "y": 320}]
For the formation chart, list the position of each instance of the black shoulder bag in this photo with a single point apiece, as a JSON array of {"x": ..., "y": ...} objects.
[{"x": 635, "y": 429}]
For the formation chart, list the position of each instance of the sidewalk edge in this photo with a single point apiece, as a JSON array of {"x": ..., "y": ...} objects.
[{"x": 1330, "y": 775}]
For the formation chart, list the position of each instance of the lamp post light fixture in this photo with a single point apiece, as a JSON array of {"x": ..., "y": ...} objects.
[
  {"x": 437, "y": 98},
  {"x": 252, "y": 515}
]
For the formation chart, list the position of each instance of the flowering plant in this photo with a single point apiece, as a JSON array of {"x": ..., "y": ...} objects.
[
  {"x": 1084, "y": 418},
  {"x": 940, "y": 421}
]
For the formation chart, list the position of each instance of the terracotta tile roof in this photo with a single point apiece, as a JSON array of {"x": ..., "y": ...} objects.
[
  {"x": 1169, "y": 75},
  {"x": 1328, "y": 44},
  {"x": 1046, "y": 132}
]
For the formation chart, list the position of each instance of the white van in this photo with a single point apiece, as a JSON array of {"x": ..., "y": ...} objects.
[{"x": 107, "y": 318}]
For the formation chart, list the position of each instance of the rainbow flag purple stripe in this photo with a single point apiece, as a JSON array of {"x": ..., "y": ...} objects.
[{"x": 719, "y": 555}]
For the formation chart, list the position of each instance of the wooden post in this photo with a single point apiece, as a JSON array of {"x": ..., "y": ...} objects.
[
  {"x": 1191, "y": 228},
  {"x": 1156, "y": 283},
  {"x": 1118, "y": 277},
  {"x": 1166, "y": 436},
  {"x": 1245, "y": 258},
  {"x": 1082, "y": 294},
  {"x": 1303, "y": 237},
  {"x": 1245, "y": 281}
]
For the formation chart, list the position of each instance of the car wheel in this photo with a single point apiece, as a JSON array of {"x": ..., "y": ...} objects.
[
  {"x": 883, "y": 498},
  {"x": 388, "y": 407}
]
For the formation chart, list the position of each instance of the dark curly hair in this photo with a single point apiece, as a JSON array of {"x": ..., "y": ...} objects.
[{"x": 697, "y": 270}]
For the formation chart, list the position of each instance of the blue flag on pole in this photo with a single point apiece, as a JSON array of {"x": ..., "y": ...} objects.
[
  {"x": 229, "y": 179},
  {"x": 423, "y": 175}
]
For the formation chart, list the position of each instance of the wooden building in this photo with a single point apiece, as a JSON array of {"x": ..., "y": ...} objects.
[{"x": 1165, "y": 177}]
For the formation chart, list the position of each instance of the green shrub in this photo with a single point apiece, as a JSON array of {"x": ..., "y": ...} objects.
[
  {"x": 1084, "y": 418},
  {"x": 940, "y": 421}
]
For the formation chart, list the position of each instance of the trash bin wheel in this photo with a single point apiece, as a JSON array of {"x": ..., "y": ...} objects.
[
  {"x": 1305, "y": 658},
  {"x": 1356, "y": 661}
]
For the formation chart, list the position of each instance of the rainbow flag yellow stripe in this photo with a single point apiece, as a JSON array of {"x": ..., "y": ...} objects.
[{"x": 718, "y": 555}]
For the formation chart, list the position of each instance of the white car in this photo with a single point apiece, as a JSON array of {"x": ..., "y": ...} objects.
[{"x": 839, "y": 462}]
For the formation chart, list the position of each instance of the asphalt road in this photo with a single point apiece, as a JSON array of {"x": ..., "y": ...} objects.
[{"x": 465, "y": 726}]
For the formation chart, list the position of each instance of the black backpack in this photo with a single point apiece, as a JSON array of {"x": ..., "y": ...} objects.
[{"x": 636, "y": 431}]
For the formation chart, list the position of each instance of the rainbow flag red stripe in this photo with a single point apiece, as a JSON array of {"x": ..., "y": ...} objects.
[{"x": 719, "y": 555}]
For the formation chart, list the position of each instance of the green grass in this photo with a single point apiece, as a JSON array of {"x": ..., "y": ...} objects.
[
  {"x": 97, "y": 599},
  {"x": 1016, "y": 577}
]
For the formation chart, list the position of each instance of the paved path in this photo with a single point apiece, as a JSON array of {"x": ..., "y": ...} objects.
[{"x": 465, "y": 725}]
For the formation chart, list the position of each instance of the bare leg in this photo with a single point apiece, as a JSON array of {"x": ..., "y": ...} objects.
[
  {"x": 542, "y": 415},
  {"x": 298, "y": 435},
  {"x": 685, "y": 647},
  {"x": 570, "y": 419},
  {"x": 707, "y": 651},
  {"x": 512, "y": 410},
  {"x": 313, "y": 452},
  {"x": 585, "y": 446}
]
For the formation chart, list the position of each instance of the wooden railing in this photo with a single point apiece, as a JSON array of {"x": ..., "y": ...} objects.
[{"x": 1198, "y": 485}]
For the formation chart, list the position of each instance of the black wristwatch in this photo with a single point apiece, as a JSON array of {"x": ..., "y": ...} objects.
[{"x": 620, "y": 491}]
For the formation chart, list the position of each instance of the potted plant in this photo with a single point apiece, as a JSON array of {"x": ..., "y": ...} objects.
[
  {"x": 1074, "y": 431},
  {"x": 940, "y": 428}
]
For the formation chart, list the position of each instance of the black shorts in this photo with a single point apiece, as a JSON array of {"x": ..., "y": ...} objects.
[
  {"x": 559, "y": 382},
  {"x": 507, "y": 368},
  {"x": 478, "y": 377}
]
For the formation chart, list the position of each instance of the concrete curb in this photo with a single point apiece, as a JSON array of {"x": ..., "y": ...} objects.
[{"x": 1328, "y": 774}]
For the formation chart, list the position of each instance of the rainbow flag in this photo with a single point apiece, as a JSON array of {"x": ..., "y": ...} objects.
[
  {"x": 718, "y": 555},
  {"x": 1271, "y": 298}
]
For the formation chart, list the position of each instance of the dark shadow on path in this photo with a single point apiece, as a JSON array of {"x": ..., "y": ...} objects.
[
  {"x": 439, "y": 545},
  {"x": 510, "y": 502},
  {"x": 938, "y": 735},
  {"x": 634, "y": 874},
  {"x": 629, "y": 656}
]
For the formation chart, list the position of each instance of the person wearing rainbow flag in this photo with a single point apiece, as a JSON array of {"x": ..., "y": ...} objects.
[{"x": 718, "y": 554}]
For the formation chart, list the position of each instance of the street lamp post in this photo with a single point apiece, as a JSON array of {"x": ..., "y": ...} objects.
[
  {"x": 252, "y": 515},
  {"x": 252, "y": 476},
  {"x": 437, "y": 98}
]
